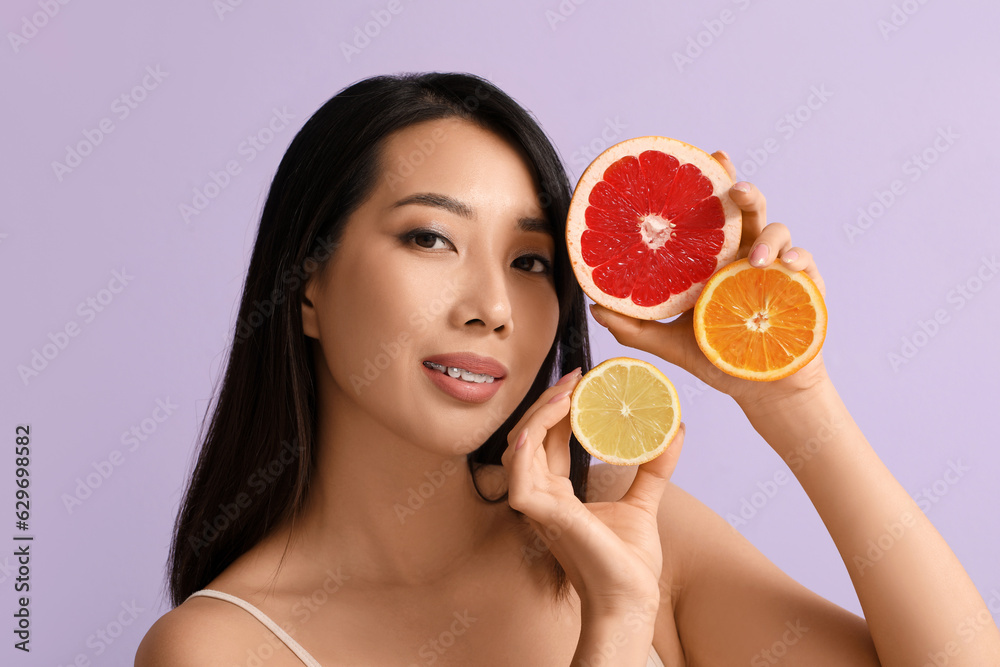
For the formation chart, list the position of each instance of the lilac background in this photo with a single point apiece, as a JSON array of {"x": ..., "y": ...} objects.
[{"x": 594, "y": 67}]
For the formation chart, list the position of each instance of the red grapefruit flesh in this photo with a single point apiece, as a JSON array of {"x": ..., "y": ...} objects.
[{"x": 650, "y": 221}]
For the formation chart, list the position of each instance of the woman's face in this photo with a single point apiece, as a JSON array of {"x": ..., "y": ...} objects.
[{"x": 448, "y": 262}]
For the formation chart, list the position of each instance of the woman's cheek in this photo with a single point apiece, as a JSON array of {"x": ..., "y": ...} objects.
[{"x": 417, "y": 323}]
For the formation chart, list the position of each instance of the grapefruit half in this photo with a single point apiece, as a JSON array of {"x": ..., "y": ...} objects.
[{"x": 650, "y": 221}]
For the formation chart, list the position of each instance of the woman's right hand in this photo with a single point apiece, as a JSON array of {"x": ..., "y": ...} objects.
[{"x": 610, "y": 550}]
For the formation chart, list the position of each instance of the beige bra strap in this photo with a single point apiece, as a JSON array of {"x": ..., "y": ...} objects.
[
  {"x": 292, "y": 645},
  {"x": 301, "y": 653},
  {"x": 654, "y": 658}
]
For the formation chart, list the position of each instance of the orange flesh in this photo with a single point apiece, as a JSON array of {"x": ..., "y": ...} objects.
[{"x": 768, "y": 306}]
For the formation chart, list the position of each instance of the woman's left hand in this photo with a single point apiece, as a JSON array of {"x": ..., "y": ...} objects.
[{"x": 675, "y": 341}]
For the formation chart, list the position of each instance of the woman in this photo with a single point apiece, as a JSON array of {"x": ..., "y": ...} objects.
[{"x": 367, "y": 509}]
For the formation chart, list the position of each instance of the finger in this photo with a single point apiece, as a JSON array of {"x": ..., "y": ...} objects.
[
  {"x": 557, "y": 448},
  {"x": 556, "y": 442},
  {"x": 565, "y": 382},
  {"x": 796, "y": 259},
  {"x": 723, "y": 158},
  {"x": 749, "y": 200},
  {"x": 773, "y": 240},
  {"x": 652, "y": 477},
  {"x": 800, "y": 259},
  {"x": 754, "y": 207},
  {"x": 527, "y": 458},
  {"x": 667, "y": 340},
  {"x": 518, "y": 461}
]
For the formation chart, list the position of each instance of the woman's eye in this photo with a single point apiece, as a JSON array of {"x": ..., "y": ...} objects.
[
  {"x": 426, "y": 239},
  {"x": 429, "y": 241},
  {"x": 535, "y": 264}
]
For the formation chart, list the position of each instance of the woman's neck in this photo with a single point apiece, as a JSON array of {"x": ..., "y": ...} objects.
[{"x": 391, "y": 514}]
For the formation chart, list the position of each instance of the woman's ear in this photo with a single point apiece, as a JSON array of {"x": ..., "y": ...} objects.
[{"x": 310, "y": 318}]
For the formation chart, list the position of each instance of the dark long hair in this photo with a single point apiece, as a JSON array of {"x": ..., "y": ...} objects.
[{"x": 253, "y": 470}]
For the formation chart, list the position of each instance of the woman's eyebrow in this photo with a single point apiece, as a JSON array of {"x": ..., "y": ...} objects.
[{"x": 461, "y": 209}]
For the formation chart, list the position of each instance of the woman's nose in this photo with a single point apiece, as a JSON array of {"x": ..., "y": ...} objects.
[{"x": 484, "y": 301}]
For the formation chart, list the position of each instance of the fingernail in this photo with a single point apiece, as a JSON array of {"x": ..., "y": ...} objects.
[
  {"x": 725, "y": 155},
  {"x": 759, "y": 255},
  {"x": 521, "y": 439},
  {"x": 597, "y": 317},
  {"x": 559, "y": 397},
  {"x": 569, "y": 376},
  {"x": 789, "y": 257},
  {"x": 742, "y": 186}
]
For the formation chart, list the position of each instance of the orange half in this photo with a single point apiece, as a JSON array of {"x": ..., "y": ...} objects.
[{"x": 760, "y": 324}]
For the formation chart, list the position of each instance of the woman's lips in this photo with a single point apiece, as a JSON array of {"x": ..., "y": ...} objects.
[
  {"x": 468, "y": 392},
  {"x": 472, "y": 362}
]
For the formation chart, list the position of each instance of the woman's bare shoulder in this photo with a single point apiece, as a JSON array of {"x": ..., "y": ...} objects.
[
  {"x": 200, "y": 631},
  {"x": 679, "y": 513}
]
